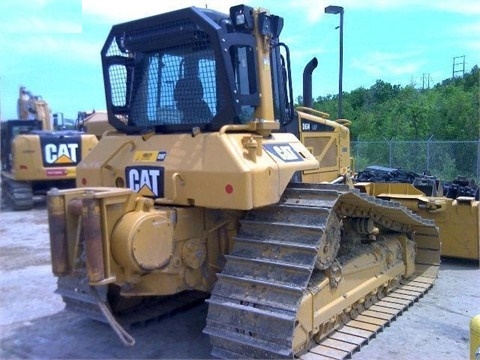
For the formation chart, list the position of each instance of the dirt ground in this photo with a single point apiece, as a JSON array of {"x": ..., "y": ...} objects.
[{"x": 34, "y": 324}]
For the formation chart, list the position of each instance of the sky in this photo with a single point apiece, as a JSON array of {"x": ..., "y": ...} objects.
[{"x": 52, "y": 47}]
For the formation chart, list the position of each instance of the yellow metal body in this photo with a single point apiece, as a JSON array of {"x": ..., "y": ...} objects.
[
  {"x": 145, "y": 250},
  {"x": 475, "y": 338},
  {"x": 265, "y": 110},
  {"x": 177, "y": 244},
  {"x": 457, "y": 219},
  {"x": 30, "y": 107},
  {"x": 365, "y": 277},
  {"x": 223, "y": 170},
  {"x": 97, "y": 124},
  {"x": 28, "y": 154},
  {"x": 328, "y": 141}
]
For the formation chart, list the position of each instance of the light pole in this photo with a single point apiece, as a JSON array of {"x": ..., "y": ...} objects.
[{"x": 332, "y": 9}]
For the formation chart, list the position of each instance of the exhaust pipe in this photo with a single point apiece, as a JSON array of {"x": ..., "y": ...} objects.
[{"x": 307, "y": 82}]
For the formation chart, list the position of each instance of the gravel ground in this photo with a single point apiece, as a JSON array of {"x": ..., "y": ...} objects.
[{"x": 34, "y": 324}]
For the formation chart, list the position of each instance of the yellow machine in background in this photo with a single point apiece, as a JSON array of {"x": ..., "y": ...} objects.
[
  {"x": 194, "y": 192},
  {"x": 458, "y": 217},
  {"x": 33, "y": 107},
  {"x": 36, "y": 153},
  {"x": 94, "y": 122}
]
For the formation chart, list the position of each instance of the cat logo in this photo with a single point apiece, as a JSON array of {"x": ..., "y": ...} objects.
[
  {"x": 145, "y": 180},
  {"x": 60, "y": 149},
  {"x": 61, "y": 153},
  {"x": 284, "y": 152}
]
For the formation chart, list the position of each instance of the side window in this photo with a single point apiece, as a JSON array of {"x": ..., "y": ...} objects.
[
  {"x": 243, "y": 63},
  {"x": 118, "y": 75},
  {"x": 242, "y": 60}
]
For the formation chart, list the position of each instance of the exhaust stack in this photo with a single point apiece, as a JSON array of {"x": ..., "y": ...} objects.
[{"x": 307, "y": 82}]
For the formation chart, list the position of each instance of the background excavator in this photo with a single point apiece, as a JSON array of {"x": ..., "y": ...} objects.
[
  {"x": 207, "y": 186},
  {"x": 36, "y": 153}
]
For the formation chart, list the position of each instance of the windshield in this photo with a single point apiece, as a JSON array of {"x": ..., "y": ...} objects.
[
  {"x": 173, "y": 89},
  {"x": 168, "y": 86}
]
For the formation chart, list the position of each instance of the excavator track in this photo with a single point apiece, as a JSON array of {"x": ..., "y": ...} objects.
[
  {"x": 282, "y": 250},
  {"x": 18, "y": 193}
]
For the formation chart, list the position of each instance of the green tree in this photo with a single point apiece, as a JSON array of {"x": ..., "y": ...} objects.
[{"x": 448, "y": 111}]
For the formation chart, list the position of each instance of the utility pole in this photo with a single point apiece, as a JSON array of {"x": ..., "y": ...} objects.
[
  {"x": 458, "y": 63},
  {"x": 333, "y": 9},
  {"x": 426, "y": 81}
]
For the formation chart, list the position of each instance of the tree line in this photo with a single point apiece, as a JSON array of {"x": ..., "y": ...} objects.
[{"x": 447, "y": 111}]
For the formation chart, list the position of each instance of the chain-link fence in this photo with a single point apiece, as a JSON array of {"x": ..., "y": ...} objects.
[{"x": 444, "y": 159}]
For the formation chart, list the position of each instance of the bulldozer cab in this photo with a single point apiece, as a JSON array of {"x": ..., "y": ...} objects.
[{"x": 192, "y": 69}]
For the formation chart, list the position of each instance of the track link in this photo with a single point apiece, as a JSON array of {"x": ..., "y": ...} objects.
[{"x": 253, "y": 307}]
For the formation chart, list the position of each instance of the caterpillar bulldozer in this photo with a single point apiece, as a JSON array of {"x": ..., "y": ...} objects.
[
  {"x": 206, "y": 188},
  {"x": 36, "y": 153}
]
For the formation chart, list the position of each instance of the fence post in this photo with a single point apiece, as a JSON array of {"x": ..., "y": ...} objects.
[
  {"x": 428, "y": 154},
  {"x": 390, "y": 150},
  {"x": 357, "y": 155},
  {"x": 389, "y": 142},
  {"x": 478, "y": 160}
]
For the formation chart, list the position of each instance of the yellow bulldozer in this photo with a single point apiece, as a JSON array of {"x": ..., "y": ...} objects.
[
  {"x": 206, "y": 187},
  {"x": 36, "y": 152}
]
